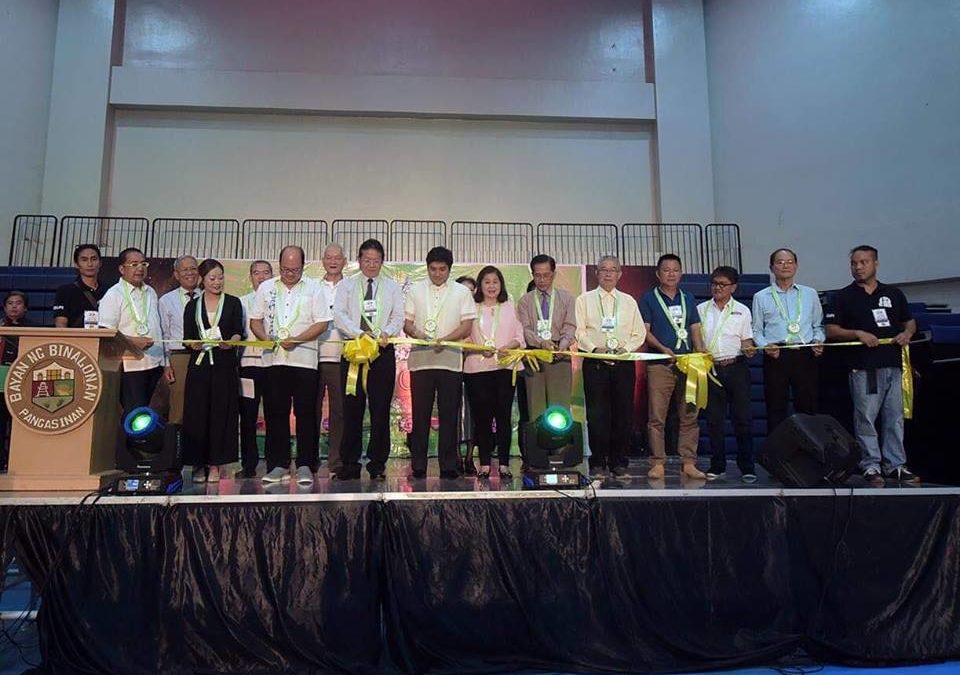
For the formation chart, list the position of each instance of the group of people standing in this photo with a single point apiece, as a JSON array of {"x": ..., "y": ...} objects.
[{"x": 216, "y": 388}]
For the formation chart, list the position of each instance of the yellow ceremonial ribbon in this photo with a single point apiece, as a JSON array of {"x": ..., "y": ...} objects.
[
  {"x": 360, "y": 352},
  {"x": 697, "y": 366}
]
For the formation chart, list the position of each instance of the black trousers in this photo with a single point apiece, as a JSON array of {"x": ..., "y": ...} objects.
[
  {"x": 299, "y": 385},
  {"x": 379, "y": 396},
  {"x": 608, "y": 390},
  {"x": 490, "y": 396},
  {"x": 249, "y": 412},
  {"x": 796, "y": 372},
  {"x": 444, "y": 387},
  {"x": 735, "y": 393}
]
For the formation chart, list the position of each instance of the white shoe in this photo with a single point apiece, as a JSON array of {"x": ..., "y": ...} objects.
[
  {"x": 213, "y": 476},
  {"x": 304, "y": 475},
  {"x": 199, "y": 474},
  {"x": 276, "y": 474}
]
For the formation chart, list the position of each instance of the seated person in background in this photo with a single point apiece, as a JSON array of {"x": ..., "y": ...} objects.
[
  {"x": 77, "y": 304},
  {"x": 14, "y": 314}
]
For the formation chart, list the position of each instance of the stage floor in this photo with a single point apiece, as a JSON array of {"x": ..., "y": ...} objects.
[{"x": 399, "y": 484}]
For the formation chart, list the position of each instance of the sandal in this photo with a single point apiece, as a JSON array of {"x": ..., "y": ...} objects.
[
  {"x": 505, "y": 473},
  {"x": 484, "y": 472}
]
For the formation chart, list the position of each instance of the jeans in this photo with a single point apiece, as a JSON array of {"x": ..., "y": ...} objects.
[{"x": 887, "y": 402}]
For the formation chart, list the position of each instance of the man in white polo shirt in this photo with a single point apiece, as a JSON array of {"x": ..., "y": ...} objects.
[
  {"x": 329, "y": 351},
  {"x": 293, "y": 312},
  {"x": 728, "y": 334},
  {"x": 442, "y": 311},
  {"x": 130, "y": 307},
  {"x": 171, "y": 305}
]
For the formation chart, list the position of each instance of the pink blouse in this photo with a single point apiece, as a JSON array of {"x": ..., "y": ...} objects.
[{"x": 509, "y": 330}]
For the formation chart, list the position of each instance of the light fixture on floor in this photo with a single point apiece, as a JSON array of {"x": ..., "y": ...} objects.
[
  {"x": 554, "y": 450},
  {"x": 152, "y": 457}
]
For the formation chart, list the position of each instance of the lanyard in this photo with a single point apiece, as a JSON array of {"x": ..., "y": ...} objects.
[
  {"x": 679, "y": 327},
  {"x": 489, "y": 340},
  {"x": 616, "y": 308},
  {"x": 719, "y": 330},
  {"x": 553, "y": 297},
  {"x": 139, "y": 319},
  {"x": 372, "y": 320},
  {"x": 202, "y": 306},
  {"x": 793, "y": 327},
  {"x": 283, "y": 327}
]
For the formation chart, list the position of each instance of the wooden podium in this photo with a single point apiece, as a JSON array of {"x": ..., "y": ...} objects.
[{"x": 63, "y": 393}]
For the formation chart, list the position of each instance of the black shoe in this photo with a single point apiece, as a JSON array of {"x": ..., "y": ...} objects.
[
  {"x": 469, "y": 468},
  {"x": 348, "y": 475},
  {"x": 246, "y": 473},
  {"x": 873, "y": 476},
  {"x": 418, "y": 474},
  {"x": 378, "y": 476},
  {"x": 600, "y": 471},
  {"x": 903, "y": 475},
  {"x": 716, "y": 471},
  {"x": 619, "y": 471},
  {"x": 450, "y": 475}
]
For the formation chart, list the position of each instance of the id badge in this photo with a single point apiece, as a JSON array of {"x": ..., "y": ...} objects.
[
  {"x": 369, "y": 306},
  {"x": 676, "y": 312},
  {"x": 880, "y": 318},
  {"x": 91, "y": 318},
  {"x": 608, "y": 323},
  {"x": 543, "y": 326}
]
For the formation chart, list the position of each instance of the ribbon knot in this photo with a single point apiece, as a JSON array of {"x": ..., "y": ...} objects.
[{"x": 359, "y": 352}]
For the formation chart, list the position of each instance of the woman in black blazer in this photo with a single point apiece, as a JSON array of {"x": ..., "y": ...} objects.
[{"x": 211, "y": 414}]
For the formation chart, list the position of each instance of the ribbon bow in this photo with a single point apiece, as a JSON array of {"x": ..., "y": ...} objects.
[{"x": 360, "y": 353}]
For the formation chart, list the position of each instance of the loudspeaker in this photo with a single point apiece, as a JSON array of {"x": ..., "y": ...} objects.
[{"x": 810, "y": 451}]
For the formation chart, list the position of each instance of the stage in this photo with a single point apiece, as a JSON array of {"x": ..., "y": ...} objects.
[{"x": 468, "y": 576}]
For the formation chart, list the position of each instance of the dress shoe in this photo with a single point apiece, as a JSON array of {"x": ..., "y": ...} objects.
[{"x": 656, "y": 471}]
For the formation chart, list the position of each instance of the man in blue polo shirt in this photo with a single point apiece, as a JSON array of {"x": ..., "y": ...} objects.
[
  {"x": 867, "y": 311},
  {"x": 673, "y": 327}
]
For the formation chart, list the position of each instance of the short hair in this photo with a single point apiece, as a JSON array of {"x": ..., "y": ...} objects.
[
  {"x": 125, "y": 253},
  {"x": 669, "y": 256},
  {"x": 605, "y": 258},
  {"x": 866, "y": 249},
  {"x": 441, "y": 255},
  {"x": 465, "y": 277},
  {"x": 335, "y": 245},
  {"x": 774, "y": 255},
  {"x": 531, "y": 285},
  {"x": 83, "y": 247},
  {"x": 260, "y": 262},
  {"x": 726, "y": 272},
  {"x": 372, "y": 245},
  {"x": 207, "y": 265},
  {"x": 478, "y": 293},
  {"x": 303, "y": 256},
  {"x": 17, "y": 294},
  {"x": 180, "y": 259},
  {"x": 541, "y": 258}
]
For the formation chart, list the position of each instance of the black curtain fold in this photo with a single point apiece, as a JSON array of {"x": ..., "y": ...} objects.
[{"x": 487, "y": 585}]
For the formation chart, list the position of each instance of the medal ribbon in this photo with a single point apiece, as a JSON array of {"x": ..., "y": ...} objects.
[
  {"x": 683, "y": 317},
  {"x": 783, "y": 310},
  {"x": 216, "y": 322}
]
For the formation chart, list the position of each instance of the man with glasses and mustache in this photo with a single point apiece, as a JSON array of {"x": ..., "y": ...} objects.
[
  {"x": 368, "y": 303},
  {"x": 728, "y": 334},
  {"x": 172, "y": 305},
  {"x": 130, "y": 307},
  {"x": 292, "y": 312}
]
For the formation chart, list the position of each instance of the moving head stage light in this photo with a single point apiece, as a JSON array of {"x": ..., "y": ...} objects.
[
  {"x": 554, "y": 449},
  {"x": 151, "y": 457}
]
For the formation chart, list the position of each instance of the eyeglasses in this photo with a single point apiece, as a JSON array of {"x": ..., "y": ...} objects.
[
  {"x": 719, "y": 284},
  {"x": 291, "y": 270},
  {"x": 142, "y": 265},
  {"x": 607, "y": 270}
]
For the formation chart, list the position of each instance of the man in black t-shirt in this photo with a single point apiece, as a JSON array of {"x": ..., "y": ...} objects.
[
  {"x": 869, "y": 311},
  {"x": 76, "y": 304}
]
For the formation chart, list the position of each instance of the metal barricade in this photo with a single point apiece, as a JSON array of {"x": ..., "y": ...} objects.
[
  {"x": 723, "y": 246},
  {"x": 199, "y": 237},
  {"x": 33, "y": 242},
  {"x": 577, "y": 243},
  {"x": 263, "y": 238},
  {"x": 411, "y": 239},
  {"x": 351, "y": 233},
  {"x": 644, "y": 243},
  {"x": 491, "y": 242},
  {"x": 111, "y": 234}
]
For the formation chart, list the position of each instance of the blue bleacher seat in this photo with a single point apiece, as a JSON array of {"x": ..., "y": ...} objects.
[
  {"x": 925, "y": 320},
  {"x": 946, "y": 334}
]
